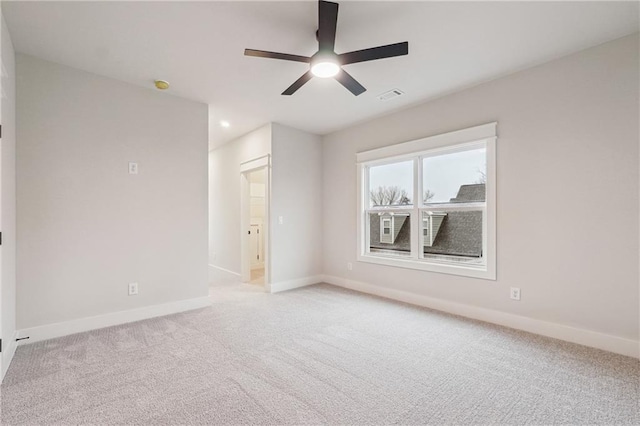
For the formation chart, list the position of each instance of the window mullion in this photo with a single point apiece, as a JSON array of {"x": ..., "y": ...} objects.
[
  {"x": 417, "y": 182},
  {"x": 366, "y": 197},
  {"x": 416, "y": 239},
  {"x": 366, "y": 203},
  {"x": 419, "y": 232}
]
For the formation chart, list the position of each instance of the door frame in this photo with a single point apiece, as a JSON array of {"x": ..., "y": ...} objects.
[{"x": 246, "y": 168}]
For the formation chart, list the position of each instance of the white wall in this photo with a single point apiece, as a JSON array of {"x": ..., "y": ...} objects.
[
  {"x": 567, "y": 158},
  {"x": 86, "y": 227},
  {"x": 296, "y": 195},
  {"x": 8, "y": 202},
  {"x": 224, "y": 201}
]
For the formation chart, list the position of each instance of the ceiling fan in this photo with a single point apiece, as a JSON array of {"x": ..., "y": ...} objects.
[{"x": 326, "y": 62}]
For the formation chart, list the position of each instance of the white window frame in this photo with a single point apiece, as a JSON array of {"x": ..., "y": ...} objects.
[{"x": 461, "y": 140}]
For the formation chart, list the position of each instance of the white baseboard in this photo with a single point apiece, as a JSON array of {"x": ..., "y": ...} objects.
[
  {"x": 224, "y": 270},
  {"x": 8, "y": 350},
  {"x": 291, "y": 284},
  {"x": 222, "y": 275},
  {"x": 51, "y": 331},
  {"x": 594, "y": 339}
]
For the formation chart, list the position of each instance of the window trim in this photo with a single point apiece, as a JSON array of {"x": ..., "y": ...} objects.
[{"x": 416, "y": 150}]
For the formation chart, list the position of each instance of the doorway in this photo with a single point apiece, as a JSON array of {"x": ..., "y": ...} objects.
[{"x": 255, "y": 222}]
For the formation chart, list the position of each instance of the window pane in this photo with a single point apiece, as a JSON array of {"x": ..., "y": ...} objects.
[
  {"x": 390, "y": 233},
  {"x": 391, "y": 184},
  {"x": 454, "y": 236},
  {"x": 456, "y": 177}
]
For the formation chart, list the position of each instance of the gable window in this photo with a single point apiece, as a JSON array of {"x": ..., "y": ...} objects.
[
  {"x": 385, "y": 235},
  {"x": 430, "y": 204}
]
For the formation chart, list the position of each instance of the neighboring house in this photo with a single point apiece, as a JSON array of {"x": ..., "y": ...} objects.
[
  {"x": 457, "y": 233},
  {"x": 390, "y": 226},
  {"x": 470, "y": 193}
]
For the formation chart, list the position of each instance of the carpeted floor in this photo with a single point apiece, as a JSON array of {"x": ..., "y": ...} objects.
[{"x": 318, "y": 355}]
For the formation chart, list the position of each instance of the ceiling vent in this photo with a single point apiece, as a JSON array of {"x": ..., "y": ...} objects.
[{"x": 393, "y": 93}]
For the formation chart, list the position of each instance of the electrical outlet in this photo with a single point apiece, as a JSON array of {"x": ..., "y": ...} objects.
[
  {"x": 133, "y": 289},
  {"x": 350, "y": 266},
  {"x": 133, "y": 168},
  {"x": 280, "y": 220},
  {"x": 515, "y": 293}
]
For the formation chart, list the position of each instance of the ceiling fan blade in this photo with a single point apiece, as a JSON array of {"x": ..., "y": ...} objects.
[
  {"x": 298, "y": 83},
  {"x": 327, "y": 22},
  {"x": 276, "y": 55},
  {"x": 350, "y": 83},
  {"x": 373, "y": 53}
]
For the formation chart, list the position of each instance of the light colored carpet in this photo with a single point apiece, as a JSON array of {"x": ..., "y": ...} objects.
[{"x": 316, "y": 355}]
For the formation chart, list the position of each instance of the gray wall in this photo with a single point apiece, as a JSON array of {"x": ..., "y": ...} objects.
[
  {"x": 87, "y": 228},
  {"x": 567, "y": 159},
  {"x": 8, "y": 202},
  {"x": 296, "y": 195}
]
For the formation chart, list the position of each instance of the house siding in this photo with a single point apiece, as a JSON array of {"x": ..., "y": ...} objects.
[{"x": 435, "y": 226}]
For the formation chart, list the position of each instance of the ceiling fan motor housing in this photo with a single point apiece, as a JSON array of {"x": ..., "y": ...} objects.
[{"x": 325, "y": 62}]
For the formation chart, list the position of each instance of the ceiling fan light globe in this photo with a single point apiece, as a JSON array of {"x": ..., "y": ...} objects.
[{"x": 325, "y": 69}]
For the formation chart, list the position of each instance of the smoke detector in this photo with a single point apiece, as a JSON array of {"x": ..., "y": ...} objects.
[{"x": 393, "y": 93}]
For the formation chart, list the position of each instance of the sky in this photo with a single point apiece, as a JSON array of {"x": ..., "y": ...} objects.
[{"x": 442, "y": 174}]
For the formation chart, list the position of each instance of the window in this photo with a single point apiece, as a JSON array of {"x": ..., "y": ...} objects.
[
  {"x": 430, "y": 204},
  {"x": 385, "y": 236}
]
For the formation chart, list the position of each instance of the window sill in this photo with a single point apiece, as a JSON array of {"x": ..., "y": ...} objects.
[{"x": 472, "y": 271}]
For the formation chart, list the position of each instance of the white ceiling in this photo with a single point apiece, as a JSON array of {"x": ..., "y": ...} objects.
[{"x": 198, "y": 47}]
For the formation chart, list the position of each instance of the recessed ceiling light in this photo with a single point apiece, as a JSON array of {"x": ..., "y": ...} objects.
[
  {"x": 225, "y": 123},
  {"x": 161, "y": 84}
]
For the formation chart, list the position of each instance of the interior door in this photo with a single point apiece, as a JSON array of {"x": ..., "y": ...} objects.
[{"x": 255, "y": 244}]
